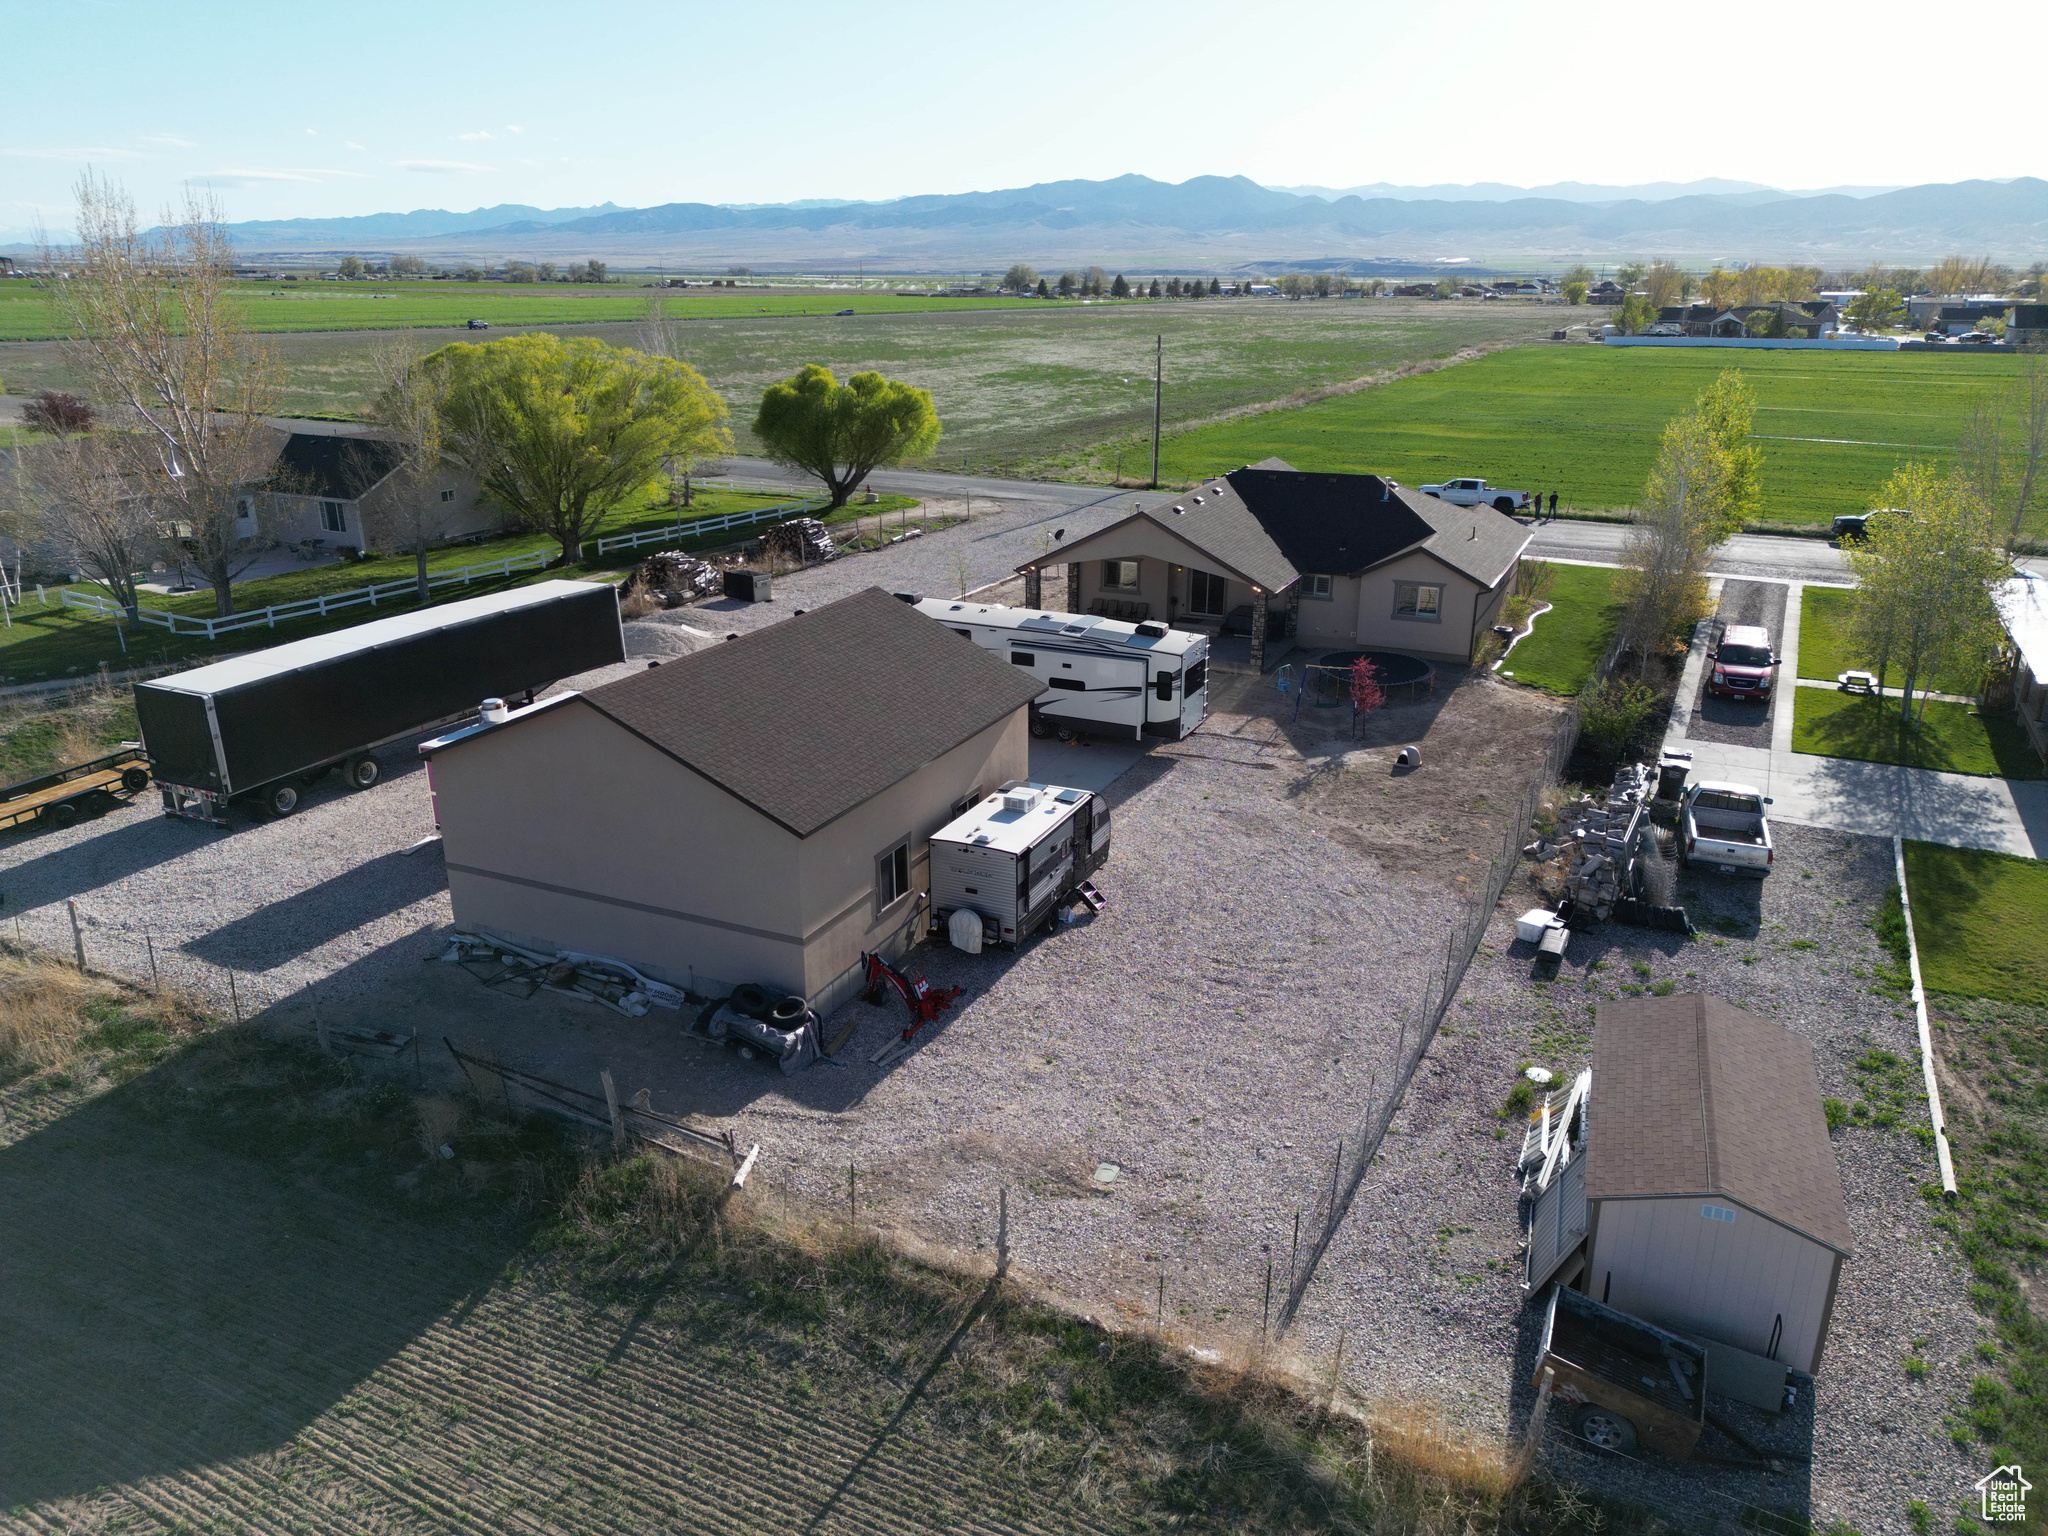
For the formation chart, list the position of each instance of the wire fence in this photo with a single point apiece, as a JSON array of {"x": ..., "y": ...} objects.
[
  {"x": 155, "y": 956},
  {"x": 1418, "y": 1026}
]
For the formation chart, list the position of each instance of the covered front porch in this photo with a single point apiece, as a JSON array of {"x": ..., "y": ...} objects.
[{"x": 1249, "y": 627}]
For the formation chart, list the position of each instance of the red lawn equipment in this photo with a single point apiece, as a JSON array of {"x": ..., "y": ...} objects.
[{"x": 924, "y": 1003}]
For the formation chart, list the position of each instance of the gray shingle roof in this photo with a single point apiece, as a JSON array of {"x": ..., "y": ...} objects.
[
  {"x": 1268, "y": 523},
  {"x": 324, "y": 464},
  {"x": 808, "y": 718},
  {"x": 1695, "y": 1096}
]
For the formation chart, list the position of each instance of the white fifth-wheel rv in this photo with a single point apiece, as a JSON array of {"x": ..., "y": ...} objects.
[{"x": 1100, "y": 675}]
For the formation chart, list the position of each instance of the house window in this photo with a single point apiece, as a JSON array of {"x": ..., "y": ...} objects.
[
  {"x": 1205, "y": 593},
  {"x": 1120, "y": 574},
  {"x": 448, "y": 495},
  {"x": 1316, "y": 586},
  {"x": 245, "y": 511},
  {"x": 892, "y": 876},
  {"x": 1417, "y": 600},
  {"x": 333, "y": 517}
]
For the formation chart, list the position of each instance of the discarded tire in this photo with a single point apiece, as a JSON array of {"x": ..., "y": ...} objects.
[
  {"x": 751, "y": 1000},
  {"x": 788, "y": 1013}
]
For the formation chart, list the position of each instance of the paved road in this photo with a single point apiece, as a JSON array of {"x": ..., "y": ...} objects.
[
  {"x": 935, "y": 483},
  {"x": 1753, "y": 556}
]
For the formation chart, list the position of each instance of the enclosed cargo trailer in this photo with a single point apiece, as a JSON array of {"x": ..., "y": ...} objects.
[
  {"x": 258, "y": 728},
  {"x": 1099, "y": 674},
  {"x": 1014, "y": 857}
]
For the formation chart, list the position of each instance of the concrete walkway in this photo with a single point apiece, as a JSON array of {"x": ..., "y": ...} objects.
[{"x": 1877, "y": 799}]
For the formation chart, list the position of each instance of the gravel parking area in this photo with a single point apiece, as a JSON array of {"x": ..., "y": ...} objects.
[
  {"x": 1435, "y": 1231},
  {"x": 1739, "y": 722}
]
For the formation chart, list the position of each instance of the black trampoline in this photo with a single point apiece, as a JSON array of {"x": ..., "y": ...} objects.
[{"x": 1399, "y": 675}]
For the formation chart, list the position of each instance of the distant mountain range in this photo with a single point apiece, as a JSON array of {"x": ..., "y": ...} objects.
[{"x": 1214, "y": 223}]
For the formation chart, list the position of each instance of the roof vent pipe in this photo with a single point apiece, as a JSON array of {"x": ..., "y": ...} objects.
[{"x": 495, "y": 712}]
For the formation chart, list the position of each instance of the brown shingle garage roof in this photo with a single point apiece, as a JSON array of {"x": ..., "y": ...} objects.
[
  {"x": 808, "y": 718},
  {"x": 1695, "y": 1096}
]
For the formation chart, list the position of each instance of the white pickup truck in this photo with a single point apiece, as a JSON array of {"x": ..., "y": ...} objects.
[
  {"x": 1724, "y": 828},
  {"x": 1477, "y": 493}
]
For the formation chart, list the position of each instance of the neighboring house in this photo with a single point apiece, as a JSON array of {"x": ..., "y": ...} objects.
[
  {"x": 1324, "y": 560},
  {"x": 757, "y": 811},
  {"x": 1606, "y": 291},
  {"x": 340, "y": 491},
  {"x": 1953, "y": 314},
  {"x": 2027, "y": 325},
  {"x": 1690, "y": 320},
  {"x": 1714, "y": 1204},
  {"x": 2023, "y": 603}
]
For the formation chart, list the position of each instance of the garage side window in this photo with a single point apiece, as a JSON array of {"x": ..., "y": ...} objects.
[
  {"x": 1316, "y": 586},
  {"x": 1417, "y": 600},
  {"x": 892, "y": 876},
  {"x": 333, "y": 517}
]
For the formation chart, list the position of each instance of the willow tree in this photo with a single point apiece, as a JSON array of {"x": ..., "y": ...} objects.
[
  {"x": 840, "y": 432},
  {"x": 561, "y": 432}
]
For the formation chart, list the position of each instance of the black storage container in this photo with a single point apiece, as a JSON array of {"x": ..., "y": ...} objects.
[
  {"x": 748, "y": 586},
  {"x": 229, "y": 729}
]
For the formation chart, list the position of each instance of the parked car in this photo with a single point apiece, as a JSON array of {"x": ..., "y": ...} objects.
[
  {"x": 1937, "y": 336},
  {"x": 1852, "y": 527},
  {"x": 1723, "y": 826},
  {"x": 838, "y": 312},
  {"x": 1975, "y": 339},
  {"x": 479, "y": 325},
  {"x": 1742, "y": 664},
  {"x": 1476, "y": 493}
]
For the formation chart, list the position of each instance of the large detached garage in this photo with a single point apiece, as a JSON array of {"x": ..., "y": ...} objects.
[
  {"x": 758, "y": 811},
  {"x": 1714, "y": 1204}
]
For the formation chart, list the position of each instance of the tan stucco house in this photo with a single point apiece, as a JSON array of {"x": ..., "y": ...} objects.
[
  {"x": 335, "y": 491},
  {"x": 758, "y": 811},
  {"x": 1317, "y": 559}
]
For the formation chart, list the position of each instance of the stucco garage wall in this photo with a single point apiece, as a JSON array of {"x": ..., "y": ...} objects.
[{"x": 1448, "y": 638}]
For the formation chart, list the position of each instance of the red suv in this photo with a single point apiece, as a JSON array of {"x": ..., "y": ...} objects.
[{"x": 1742, "y": 663}]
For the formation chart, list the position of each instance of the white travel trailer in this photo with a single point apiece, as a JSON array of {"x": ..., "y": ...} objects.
[
  {"x": 1005, "y": 865},
  {"x": 1100, "y": 675}
]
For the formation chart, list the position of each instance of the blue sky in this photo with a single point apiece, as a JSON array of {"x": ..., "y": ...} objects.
[{"x": 370, "y": 106}]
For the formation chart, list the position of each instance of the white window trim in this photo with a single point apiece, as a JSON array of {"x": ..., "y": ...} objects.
[
  {"x": 1135, "y": 586},
  {"x": 1327, "y": 594},
  {"x": 1417, "y": 616},
  {"x": 341, "y": 511},
  {"x": 883, "y": 862}
]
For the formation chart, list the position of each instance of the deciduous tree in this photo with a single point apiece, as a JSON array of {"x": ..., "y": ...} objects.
[
  {"x": 1925, "y": 577},
  {"x": 58, "y": 414},
  {"x": 405, "y": 403},
  {"x": 1876, "y": 309},
  {"x": 1727, "y": 408},
  {"x": 1663, "y": 580},
  {"x": 154, "y": 324},
  {"x": 1574, "y": 293},
  {"x": 1664, "y": 284},
  {"x": 560, "y": 432},
  {"x": 1999, "y": 456},
  {"x": 1635, "y": 315},
  {"x": 351, "y": 266},
  {"x": 1020, "y": 279},
  {"x": 1578, "y": 272},
  {"x": 840, "y": 432}
]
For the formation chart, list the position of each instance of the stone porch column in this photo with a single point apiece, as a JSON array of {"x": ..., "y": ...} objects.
[
  {"x": 1033, "y": 586},
  {"x": 1074, "y": 587},
  {"x": 1258, "y": 630}
]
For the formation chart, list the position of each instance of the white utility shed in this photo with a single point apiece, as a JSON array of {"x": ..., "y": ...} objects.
[{"x": 1714, "y": 1204}]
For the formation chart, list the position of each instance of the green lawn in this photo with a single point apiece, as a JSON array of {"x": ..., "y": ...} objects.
[
  {"x": 1981, "y": 922},
  {"x": 1562, "y": 650},
  {"x": 1826, "y": 650},
  {"x": 47, "y": 641},
  {"x": 1585, "y": 421},
  {"x": 1951, "y": 737},
  {"x": 323, "y": 306}
]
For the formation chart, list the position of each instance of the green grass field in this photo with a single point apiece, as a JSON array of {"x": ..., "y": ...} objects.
[
  {"x": 1566, "y": 643},
  {"x": 45, "y": 641},
  {"x": 1826, "y": 650},
  {"x": 1025, "y": 389},
  {"x": 25, "y": 314},
  {"x": 1585, "y": 421},
  {"x": 1981, "y": 922},
  {"x": 1951, "y": 737}
]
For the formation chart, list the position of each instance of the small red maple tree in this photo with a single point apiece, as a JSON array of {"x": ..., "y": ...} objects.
[{"x": 1366, "y": 695}]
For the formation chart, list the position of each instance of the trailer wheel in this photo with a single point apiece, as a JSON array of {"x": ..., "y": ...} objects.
[
  {"x": 279, "y": 800},
  {"x": 135, "y": 780},
  {"x": 362, "y": 772},
  {"x": 63, "y": 814},
  {"x": 1605, "y": 1429},
  {"x": 1066, "y": 733},
  {"x": 1040, "y": 727}
]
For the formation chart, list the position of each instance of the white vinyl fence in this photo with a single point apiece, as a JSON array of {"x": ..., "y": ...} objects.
[{"x": 698, "y": 526}]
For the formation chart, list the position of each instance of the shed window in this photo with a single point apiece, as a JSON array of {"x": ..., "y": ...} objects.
[
  {"x": 448, "y": 494},
  {"x": 1417, "y": 600},
  {"x": 1205, "y": 593},
  {"x": 1120, "y": 574},
  {"x": 1316, "y": 586},
  {"x": 892, "y": 876},
  {"x": 334, "y": 517}
]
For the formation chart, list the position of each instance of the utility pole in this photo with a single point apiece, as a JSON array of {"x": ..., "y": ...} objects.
[{"x": 1158, "y": 388}]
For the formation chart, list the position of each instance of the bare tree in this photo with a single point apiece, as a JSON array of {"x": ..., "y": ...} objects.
[
  {"x": 76, "y": 492},
  {"x": 152, "y": 321},
  {"x": 406, "y": 405},
  {"x": 1999, "y": 457}
]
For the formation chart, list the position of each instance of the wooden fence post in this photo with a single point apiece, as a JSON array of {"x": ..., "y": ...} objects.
[
  {"x": 1537, "y": 1417},
  {"x": 1002, "y": 1231},
  {"x": 611, "y": 1102},
  {"x": 77, "y": 934}
]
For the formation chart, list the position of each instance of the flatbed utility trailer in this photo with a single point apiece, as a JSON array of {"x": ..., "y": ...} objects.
[
  {"x": 260, "y": 728},
  {"x": 74, "y": 793},
  {"x": 1013, "y": 858},
  {"x": 1100, "y": 675},
  {"x": 1623, "y": 1381}
]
